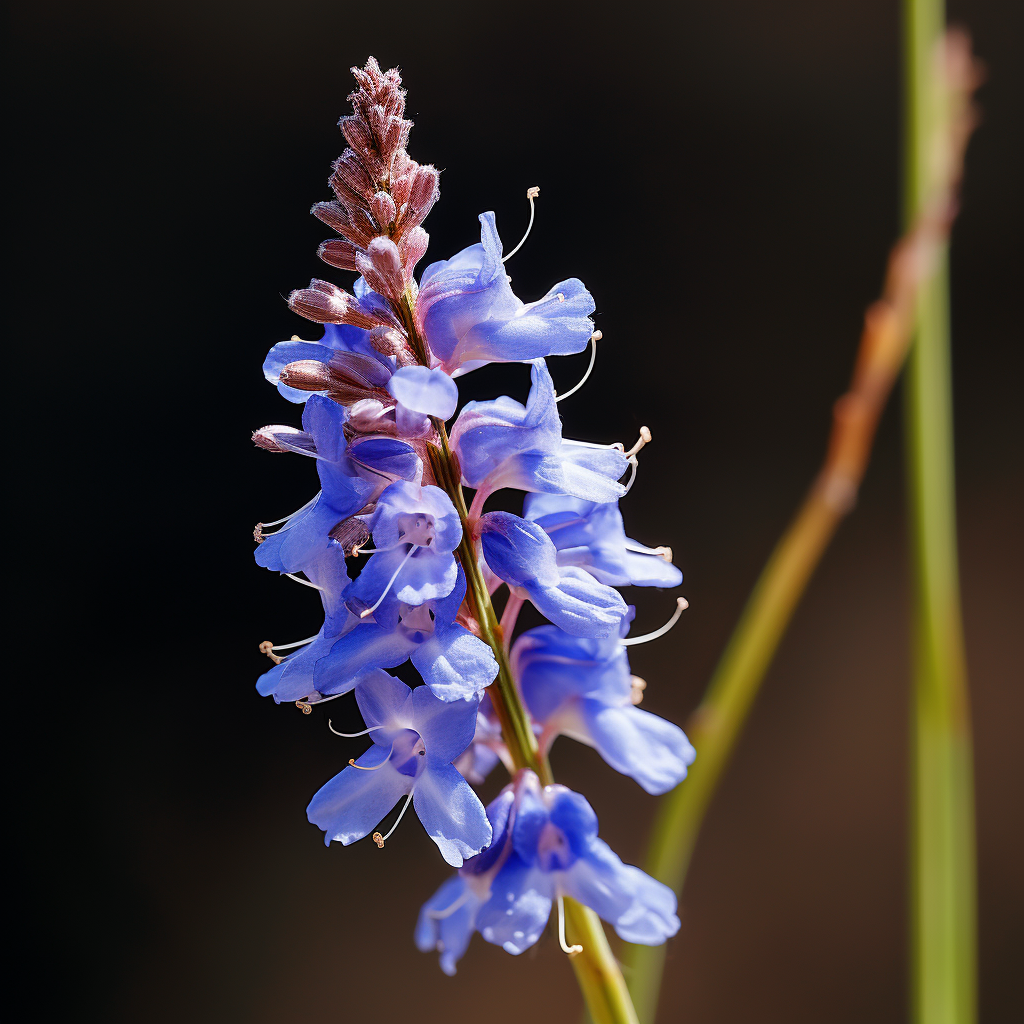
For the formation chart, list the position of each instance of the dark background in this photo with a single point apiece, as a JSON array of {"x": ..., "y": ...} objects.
[{"x": 724, "y": 177}]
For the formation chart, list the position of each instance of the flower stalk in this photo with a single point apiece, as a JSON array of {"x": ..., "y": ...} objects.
[
  {"x": 943, "y": 912},
  {"x": 914, "y": 265},
  {"x": 597, "y": 971}
]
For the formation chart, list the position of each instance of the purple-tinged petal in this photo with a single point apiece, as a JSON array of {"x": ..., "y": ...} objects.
[
  {"x": 518, "y": 910},
  {"x": 450, "y": 812},
  {"x": 353, "y": 802},
  {"x": 454, "y": 663},
  {"x": 446, "y": 727},
  {"x": 431, "y": 392},
  {"x": 383, "y": 701}
]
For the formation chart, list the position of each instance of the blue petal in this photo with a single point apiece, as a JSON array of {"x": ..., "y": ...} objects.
[
  {"x": 365, "y": 647},
  {"x": 498, "y": 814},
  {"x": 517, "y": 551},
  {"x": 580, "y": 605},
  {"x": 325, "y": 420},
  {"x": 403, "y": 500},
  {"x": 285, "y": 352},
  {"x": 293, "y": 679},
  {"x": 647, "y": 748},
  {"x": 387, "y": 457},
  {"x": 383, "y": 701},
  {"x": 424, "y": 576},
  {"x": 573, "y": 815},
  {"x": 519, "y": 907},
  {"x": 450, "y": 812},
  {"x": 640, "y": 908},
  {"x": 431, "y": 392},
  {"x": 557, "y": 325},
  {"x": 446, "y": 930},
  {"x": 353, "y": 802},
  {"x": 454, "y": 663},
  {"x": 446, "y": 727}
]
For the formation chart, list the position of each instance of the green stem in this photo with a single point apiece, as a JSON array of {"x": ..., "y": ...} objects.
[
  {"x": 597, "y": 971},
  {"x": 942, "y": 871}
]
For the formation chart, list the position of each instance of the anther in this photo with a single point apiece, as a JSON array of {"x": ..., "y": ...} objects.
[
  {"x": 594, "y": 339},
  {"x": 267, "y": 648},
  {"x": 378, "y": 838},
  {"x": 531, "y": 194},
  {"x": 257, "y": 533},
  {"x": 306, "y": 709},
  {"x": 645, "y": 438},
  {"x": 681, "y": 605},
  {"x": 376, "y": 767},
  {"x": 636, "y": 689}
]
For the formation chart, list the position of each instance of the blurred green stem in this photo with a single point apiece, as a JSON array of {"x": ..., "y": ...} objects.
[
  {"x": 942, "y": 869},
  {"x": 915, "y": 289}
]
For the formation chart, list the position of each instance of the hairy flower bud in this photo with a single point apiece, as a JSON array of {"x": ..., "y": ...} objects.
[
  {"x": 381, "y": 266},
  {"x": 383, "y": 209},
  {"x": 326, "y": 303},
  {"x": 340, "y": 253}
]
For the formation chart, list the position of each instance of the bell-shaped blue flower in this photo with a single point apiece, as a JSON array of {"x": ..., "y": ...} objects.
[
  {"x": 521, "y": 553},
  {"x": 415, "y": 529},
  {"x": 545, "y": 848},
  {"x": 590, "y": 535},
  {"x": 415, "y": 739},
  {"x": 452, "y": 661},
  {"x": 504, "y": 444},
  {"x": 471, "y": 316},
  {"x": 583, "y": 688}
]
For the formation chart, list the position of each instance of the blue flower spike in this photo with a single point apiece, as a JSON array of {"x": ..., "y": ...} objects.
[{"x": 405, "y": 572}]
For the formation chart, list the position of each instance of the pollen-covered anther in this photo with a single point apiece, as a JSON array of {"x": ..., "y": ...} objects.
[
  {"x": 664, "y": 551},
  {"x": 257, "y": 533},
  {"x": 304, "y": 707},
  {"x": 645, "y": 438},
  {"x": 267, "y": 648},
  {"x": 378, "y": 839},
  {"x": 596, "y": 336},
  {"x": 636, "y": 689}
]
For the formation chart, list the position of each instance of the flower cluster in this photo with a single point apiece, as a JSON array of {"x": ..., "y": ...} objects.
[{"x": 405, "y": 571}]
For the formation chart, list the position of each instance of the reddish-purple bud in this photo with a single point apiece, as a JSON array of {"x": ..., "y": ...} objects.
[
  {"x": 326, "y": 303},
  {"x": 339, "y": 252},
  {"x": 411, "y": 247},
  {"x": 382, "y": 268},
  {"x": 383, "y": 208}
]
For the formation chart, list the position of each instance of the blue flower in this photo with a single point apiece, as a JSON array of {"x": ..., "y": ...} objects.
[
  {"x": 521, "y": 553},
  {"x": 452, "y": 661},
  {"x": 591, "y": 535},
  {"x": 471, "y": 316},
  {"x": 416, "y": 737},
  {"x": 545, "y": 846},
  {"x": 583, "y": 688},
  {"x": 420, "y": 394},
  {"x": 415, "y": 529},
  {"x": 351, "y": 476},
  {"x": 504, "y": 444}
]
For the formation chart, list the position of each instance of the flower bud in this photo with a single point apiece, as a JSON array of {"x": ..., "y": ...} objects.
[
  {"x": 339, "y": 252},
  {"x": 383, "y": 208}
]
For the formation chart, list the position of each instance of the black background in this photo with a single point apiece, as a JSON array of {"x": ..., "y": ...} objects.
[{"x": 724, "y": 177}]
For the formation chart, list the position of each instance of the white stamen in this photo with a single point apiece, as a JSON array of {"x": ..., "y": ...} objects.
[
  {"x": 440, "y": 915},
  {"x": 645, "y": 438},
  {"x": 285, "y": 647},
  {"x": 293, "y": 515},
  {"x": 566, "y": 948},
  {"x": 594, "y": 338},
  {"x": 663, "y": 551},
  {"x": 681, "y": 605},
  {"x": 299, "y": 579},
  {"x": 593, "y": 444},
  {"x": 375, "y": 767},
  {"x": 531, "y": 194},
  {"x": 381, "y": 839},
  {"x": 349, "y": 735},
  {"x": 376, "y": 604}
]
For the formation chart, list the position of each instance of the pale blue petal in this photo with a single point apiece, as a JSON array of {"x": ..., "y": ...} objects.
[
  {"x": 352, "y": 804},
  {"x": 446, "y": 727},
  {"x": 427, "y": 391},
  {"x": 450, "y": 812}
]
